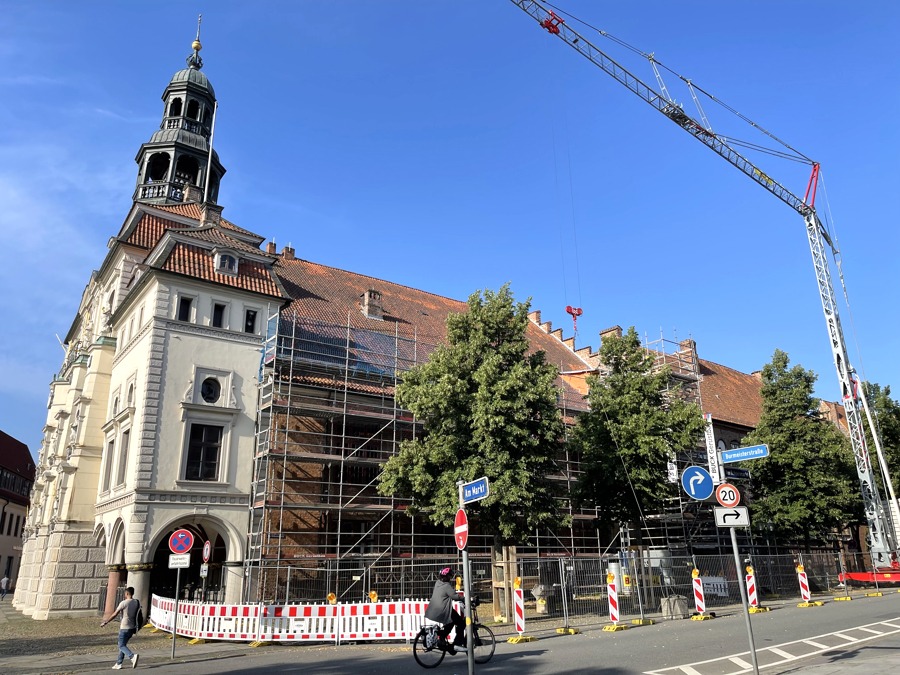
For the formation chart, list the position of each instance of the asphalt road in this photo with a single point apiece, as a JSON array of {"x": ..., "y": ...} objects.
[{"x": 840, "y": 637}]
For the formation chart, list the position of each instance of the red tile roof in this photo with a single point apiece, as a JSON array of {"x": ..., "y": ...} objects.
[
  {"x": 729, "y": 395},
  {"x": 199, "y": 263},
  {"x": 150, "y": 230},
  {"x": 192, "y": 210}
]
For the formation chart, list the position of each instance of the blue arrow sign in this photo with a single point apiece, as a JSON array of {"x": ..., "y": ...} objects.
[
  {"x": 740, "y": 454},
  {"x": 476, "y": 490},
  {"x": 697, "y": 483}
]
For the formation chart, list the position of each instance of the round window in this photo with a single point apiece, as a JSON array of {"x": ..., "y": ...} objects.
[{"x": 210, "y": 390}]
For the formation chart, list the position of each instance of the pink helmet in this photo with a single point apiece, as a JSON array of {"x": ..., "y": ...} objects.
[{"x": 445, "y": 574}]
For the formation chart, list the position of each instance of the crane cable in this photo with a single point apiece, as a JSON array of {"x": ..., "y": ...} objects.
[{"x": 799, "y": 156}]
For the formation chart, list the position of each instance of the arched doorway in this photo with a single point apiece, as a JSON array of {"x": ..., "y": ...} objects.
[{"x": 193, "y": 586}]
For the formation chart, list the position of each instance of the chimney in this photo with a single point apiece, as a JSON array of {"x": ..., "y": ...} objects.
[
  {"x": 210, "y": 214},
  {"x": 271, "y": 248},
  {"x": 688, "y": 347},
  {"x": 191, "y": 194},
  {"x": 287, "y": 253},
  {"x": 615, "y": 331},
  {"x": 370, "y": 304}
]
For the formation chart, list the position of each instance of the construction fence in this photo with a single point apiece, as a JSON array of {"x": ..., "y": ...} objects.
[{"x": 650, "y": 583}]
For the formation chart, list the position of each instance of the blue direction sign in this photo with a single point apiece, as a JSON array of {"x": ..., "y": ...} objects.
[
  {"x": 740, "y": 454},
  {"x": 476, "y": 490},
  {"x": 697, "y": 483}
]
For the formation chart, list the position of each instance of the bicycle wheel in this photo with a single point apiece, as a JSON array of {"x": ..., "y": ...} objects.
[
  {"x": 427, "y": 657},
  {"x": 483, "y": 643}
]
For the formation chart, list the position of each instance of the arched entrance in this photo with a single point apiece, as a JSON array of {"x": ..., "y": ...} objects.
[{"x": 193, "y": 585}]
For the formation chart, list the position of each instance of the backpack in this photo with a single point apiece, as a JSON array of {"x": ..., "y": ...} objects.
[{"x": 139, "y": 619}]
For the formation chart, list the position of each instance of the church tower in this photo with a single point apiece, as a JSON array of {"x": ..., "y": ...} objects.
[{"x": 176, "y": 159}]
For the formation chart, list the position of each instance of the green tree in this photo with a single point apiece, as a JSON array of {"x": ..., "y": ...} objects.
[
  {"x": 637, "y": 422},
  {"x": 807, "y": 485},
  {"x": 488, "y": 408},
  {"x": 887, "y": 415}
]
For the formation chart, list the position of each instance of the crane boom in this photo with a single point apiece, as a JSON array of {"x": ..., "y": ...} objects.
[{"x": 882, "y": 536}]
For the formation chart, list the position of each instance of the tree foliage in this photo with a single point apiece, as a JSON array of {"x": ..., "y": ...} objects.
[
  {"x": 636, "y": 423},
  {"x": 887, "y": 418},
  {"x": 807, "y": 485},
  {"x": 489, "y": 409}
]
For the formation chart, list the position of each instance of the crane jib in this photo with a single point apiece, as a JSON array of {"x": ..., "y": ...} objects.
[{"x": 882, "y": 534}]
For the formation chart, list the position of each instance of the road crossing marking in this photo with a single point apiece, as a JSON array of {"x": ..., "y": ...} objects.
[{"x": 783, "y": 651}]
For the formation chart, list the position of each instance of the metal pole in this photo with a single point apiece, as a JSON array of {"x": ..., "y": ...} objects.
[
  {"x": 467, "y": 590},
  {"x": 737, "y": 569},
  {"x": 638, "y": 577},
  {"x": 175, "y": 617}
]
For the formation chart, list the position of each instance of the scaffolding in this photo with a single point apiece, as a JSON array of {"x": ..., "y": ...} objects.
[{"x": 328, "y": 420}]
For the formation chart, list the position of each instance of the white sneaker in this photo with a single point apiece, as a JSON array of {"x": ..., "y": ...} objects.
[
  {"x": 134, "y": 660},
  {"x": 118, "y": 666}
]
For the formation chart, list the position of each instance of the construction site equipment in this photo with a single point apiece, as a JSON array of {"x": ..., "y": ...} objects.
[{"x": 882, "y": 524}]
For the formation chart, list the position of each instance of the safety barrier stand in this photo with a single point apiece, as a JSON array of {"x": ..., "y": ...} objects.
[
  {"x": 699, "y": 599},
  {"x": 752, "y": 597},
  {"x": 613, "y": 597},
  {"x": 519, "y": 597},
  {"x": 804, "y": 590}
]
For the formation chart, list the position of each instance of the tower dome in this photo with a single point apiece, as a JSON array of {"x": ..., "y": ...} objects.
[{"x": 173, "y": 164}]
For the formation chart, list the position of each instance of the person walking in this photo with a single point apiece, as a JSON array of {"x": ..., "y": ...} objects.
[
  {"x": 128, "y": 608},
  {"x": 4, "y": 586}
]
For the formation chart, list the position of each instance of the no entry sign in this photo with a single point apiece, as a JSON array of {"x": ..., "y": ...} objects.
[{"x": 461, "y": 529}]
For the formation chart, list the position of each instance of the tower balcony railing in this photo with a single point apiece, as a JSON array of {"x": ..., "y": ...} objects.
[
  {"x": 188, "y": 125},
  {"x": 160, "y": 191}
]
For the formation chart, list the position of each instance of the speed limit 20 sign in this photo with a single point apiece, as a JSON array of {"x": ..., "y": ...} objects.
[{"x": 727, "y": 495}]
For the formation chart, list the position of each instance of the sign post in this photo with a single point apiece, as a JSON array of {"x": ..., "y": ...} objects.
[
  {"x": 180, "y": 543},
  {"x": 204, "y": 568},
  {"x": 468, "y": 493}
]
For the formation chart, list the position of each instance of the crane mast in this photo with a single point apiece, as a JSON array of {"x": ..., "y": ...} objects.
[{"x": 882, "y": 536}]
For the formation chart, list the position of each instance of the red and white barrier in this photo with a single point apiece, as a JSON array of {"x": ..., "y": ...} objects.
[
  {"x": 519, "y": 596},
  {"x": 752, "y": 597},
  {"x": 804, "y": 583},
  {"x": 699, "y": 599},
  {"x": 613, "y": 596}
]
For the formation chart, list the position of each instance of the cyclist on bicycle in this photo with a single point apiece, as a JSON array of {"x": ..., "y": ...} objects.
[{"x": 440, "y": 609}]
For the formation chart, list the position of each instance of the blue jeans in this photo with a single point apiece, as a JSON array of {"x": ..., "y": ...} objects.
[{"x": 124, "y": 636}]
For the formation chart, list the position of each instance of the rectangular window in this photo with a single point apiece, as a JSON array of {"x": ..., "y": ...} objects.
[
  {"x": 218, "y": 316},
  {"x": 123, "y": 457},
  {"x": 184, "y": 309},
  {"x": 107, "y": 468},
  {"x": 2, "y": 521},
  {"x": 204, "y": 447},
  {"x": 16, "y": 531},
  {"x": 250, "y": 321}
]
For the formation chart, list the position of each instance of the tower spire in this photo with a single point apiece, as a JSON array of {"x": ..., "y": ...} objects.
[{"x": 194, "y": 60}]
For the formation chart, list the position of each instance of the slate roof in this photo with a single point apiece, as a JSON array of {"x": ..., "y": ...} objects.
[{"x": 729, "y": 395}]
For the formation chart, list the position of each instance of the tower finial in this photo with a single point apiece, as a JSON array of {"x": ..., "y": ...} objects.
[{"x": 194, "y": 60}]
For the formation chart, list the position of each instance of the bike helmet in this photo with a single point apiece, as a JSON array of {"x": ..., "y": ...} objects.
[{"x": 445, "y": 574}]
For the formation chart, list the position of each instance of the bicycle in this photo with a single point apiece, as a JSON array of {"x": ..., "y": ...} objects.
[{"x": 429, "y": 649}]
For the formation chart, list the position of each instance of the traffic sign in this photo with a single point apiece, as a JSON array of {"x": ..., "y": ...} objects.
[
  {"x": 181, "y": 541},
  {"x": 697, "y": 483},
  {"x": 734, "y": 473},
  {"x": 739, "y": 516},
  {"x": 740, "y": 454},
  {"x": 207, "y": 549},
  {"x": 179, "y": 561},
  {"x": 476, "y": 490},
  {"x": 461, "y": 529},
  {"x": 204, "y": 570},
  {"x": 727, "y": 495}
]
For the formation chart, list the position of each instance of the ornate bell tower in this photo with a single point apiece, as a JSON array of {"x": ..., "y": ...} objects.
[{"x": 176, "y": 158}]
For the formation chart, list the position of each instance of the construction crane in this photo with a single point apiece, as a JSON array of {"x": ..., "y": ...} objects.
[{"x": 881, "y": 522}]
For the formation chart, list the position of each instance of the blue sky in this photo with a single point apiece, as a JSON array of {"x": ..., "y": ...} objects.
[{"x": 456, "y": 146}]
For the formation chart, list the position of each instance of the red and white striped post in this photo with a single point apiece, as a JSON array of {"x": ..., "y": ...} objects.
[
  {"x": 520, "y": 610},
  {"x": 804, "y": 583},
  {"x": 613, "y": 596},
  {"x": 699, "y": 599},
  {"x": 751, "y": 588}
]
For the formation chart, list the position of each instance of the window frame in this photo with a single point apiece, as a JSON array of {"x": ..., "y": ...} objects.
[{"x": 192, "y": 307}]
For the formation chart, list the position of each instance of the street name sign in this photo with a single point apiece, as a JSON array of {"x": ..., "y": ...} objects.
[
  {"x": 179, "y": 561},
  {"x": 741, "y": 454},
  {"x": 461, "y": 529},
  {"x": 734, "y": 473},
  {"x": 739, "y": 516},
  {"x": 476, "y": 490},
  {"x": 697, "y": 483}
]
